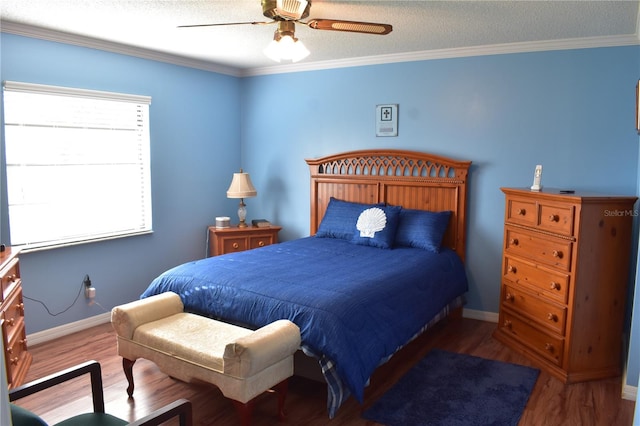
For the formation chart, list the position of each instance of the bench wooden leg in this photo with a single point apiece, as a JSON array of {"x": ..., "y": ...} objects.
[
  {"x": 281, "y": 390},
  {"x": 244, "y": 411},
  {"x": 127, "y": 366}
]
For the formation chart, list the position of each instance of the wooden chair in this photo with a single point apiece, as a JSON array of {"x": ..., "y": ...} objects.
[{"x": 22, "y": 417}]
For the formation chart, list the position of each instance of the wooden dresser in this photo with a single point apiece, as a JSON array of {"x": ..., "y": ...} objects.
[
  {"x": 565, "y": 270},
  {"x": 234, "y": 239},
  {"x": 17, "y": 358}
]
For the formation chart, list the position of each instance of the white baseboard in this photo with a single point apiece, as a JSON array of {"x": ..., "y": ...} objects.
[
  {"x": 66, "y": 329},
  {"x": 630, "y": 393},
  {"x": 480, "y": 315}
]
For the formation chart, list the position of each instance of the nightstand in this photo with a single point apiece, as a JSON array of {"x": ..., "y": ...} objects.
[{"x": 234, "y": 239}]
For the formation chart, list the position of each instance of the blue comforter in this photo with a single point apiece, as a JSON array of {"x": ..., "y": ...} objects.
[{"x": 355, "y": 305}]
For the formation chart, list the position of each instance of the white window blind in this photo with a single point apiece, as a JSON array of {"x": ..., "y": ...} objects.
[{"x": 77, "y": 164}]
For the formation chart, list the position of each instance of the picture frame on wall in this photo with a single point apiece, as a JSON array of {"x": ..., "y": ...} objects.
[
  {"x": 387, "y": 120},
  {"x": 638, "y": 107}
]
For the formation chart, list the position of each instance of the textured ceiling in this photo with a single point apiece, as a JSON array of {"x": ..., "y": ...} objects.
[{"x": 418, "y": 26}]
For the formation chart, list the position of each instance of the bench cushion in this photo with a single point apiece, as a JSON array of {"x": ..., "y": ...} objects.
[{"x": 190, "y": 337}]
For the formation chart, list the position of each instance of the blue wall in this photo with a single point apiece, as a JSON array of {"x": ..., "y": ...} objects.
[
  {"x": 571, "y": 111},
  {"x": 195, "y": 148}
]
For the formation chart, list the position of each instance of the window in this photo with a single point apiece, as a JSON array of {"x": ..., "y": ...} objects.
[{"x": 77, "y": 164}]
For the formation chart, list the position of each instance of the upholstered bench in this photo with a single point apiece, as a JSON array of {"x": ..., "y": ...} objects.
[{"x": 242, "y": 363}]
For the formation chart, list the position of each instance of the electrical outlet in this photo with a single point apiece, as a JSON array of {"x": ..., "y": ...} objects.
[{"x": 89, "y": 290}]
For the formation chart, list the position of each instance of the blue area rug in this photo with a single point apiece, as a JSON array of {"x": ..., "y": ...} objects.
[{"x": 450, "y": 389}]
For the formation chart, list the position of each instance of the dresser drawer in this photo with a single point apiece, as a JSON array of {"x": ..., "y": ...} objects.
[
  {"x": 13, "y": 313},
  {"x": 260, "y": 241},
  {"x": 551, "y": 251},
  {"x": 523, "y": 212},
  {"x": 549, "y": 315},
  {"x": 17, "y": 358},
  {"x": 232, "y": 245},
  {"x": 557, "y": 218},
  {"x": 9, "y": 278},
  {"x": 545, "y": 345},
  {"x": 549, "y": 283}
]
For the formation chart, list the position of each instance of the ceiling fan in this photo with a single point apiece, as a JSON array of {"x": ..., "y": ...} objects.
[{"x": 286, "y": 13}]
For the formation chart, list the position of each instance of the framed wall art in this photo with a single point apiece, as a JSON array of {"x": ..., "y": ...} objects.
[
  {"x": 387, "y": 120},
  {"x": 638, "y": 107}
]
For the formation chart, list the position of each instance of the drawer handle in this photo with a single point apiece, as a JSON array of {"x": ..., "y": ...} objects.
[
  {"x": 552, "y": 317},
  {"x": 557, "y": 254},
  {"x": 521, "y": 212},
  {"x": 12, "y": 277},
  {"x": 514, "y": 241},
  {"x": 512, "y": 269},
  {"x": 555, "y": 286},
  {"x": 554, "y": 218},
  {"x": 549, "y": 347},
  {"x": 507, "y": 323},
  {"x": 20, "y": 307},
  {"x": 261, "y": 244},
  {"x": 11, "y": 322},
  {"x": 23, "y": 342},
  {"x": 509, "y": 297},
  {"x": 14, "y": 361},
  {"x": 235, "y": 245},
  {"x": 9, "y": 350}
]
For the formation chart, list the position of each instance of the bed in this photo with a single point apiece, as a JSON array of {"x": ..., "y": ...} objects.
[{"x": 383, "y": 263}]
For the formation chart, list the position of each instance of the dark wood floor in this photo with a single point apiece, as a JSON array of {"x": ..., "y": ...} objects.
[{"x": 551, "y": 403}]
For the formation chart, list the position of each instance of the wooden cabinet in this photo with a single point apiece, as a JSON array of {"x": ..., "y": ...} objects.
[
  {"x": 17, "y": 358},
  {"x": 234, "y": 239},
  {"x": 565, "y": 270}
]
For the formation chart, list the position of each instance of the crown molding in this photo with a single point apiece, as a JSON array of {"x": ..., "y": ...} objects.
[
  {"x": 426, "y": 55},
  {"x": 486, "y": 50},
  {"x": 110, "y": 46}
]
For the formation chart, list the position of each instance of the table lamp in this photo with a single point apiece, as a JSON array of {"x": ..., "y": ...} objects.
[{"x": 241, "y": 187}]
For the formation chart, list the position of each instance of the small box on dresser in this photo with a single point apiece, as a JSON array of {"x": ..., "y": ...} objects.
[
  {"x": 565, "y": 270},
  {"x": 17, "y": 358}
]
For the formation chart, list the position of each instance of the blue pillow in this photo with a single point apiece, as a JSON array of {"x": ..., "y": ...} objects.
[
  {"x": 340, "y": 219},
  {"x": 422, "y": 229},
  {"x": 376, "y": 227}
]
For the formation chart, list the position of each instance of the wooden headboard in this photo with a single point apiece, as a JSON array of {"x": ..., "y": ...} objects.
[{"x": 409, "y": 179}]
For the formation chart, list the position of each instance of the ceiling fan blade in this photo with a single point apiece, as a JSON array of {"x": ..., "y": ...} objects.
[
  {"x": 226, "y": 23},
  {"x": 349, "y": 26}
]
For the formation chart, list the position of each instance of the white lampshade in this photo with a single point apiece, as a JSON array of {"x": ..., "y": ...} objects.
[{"x": 241, "y": 186}]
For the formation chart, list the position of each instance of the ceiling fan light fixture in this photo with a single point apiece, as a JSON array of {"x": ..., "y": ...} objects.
[{"x": 285, "y": 46}]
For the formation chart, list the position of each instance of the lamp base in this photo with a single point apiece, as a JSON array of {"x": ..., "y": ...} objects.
[{"x": 242, "y": 214}]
